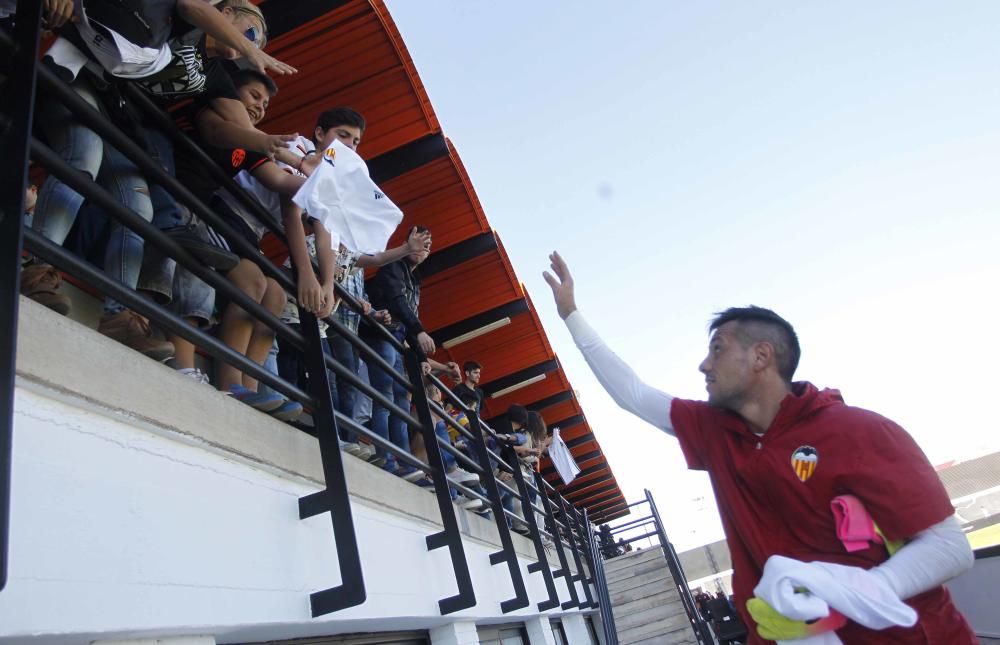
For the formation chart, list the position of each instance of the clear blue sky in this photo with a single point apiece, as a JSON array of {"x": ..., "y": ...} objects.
[{"x": 835, "y": 162}]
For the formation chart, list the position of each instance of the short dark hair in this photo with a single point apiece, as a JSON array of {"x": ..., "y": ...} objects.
[
  {"x": 340, "y": 116},
  {"x": 518, "y": 414},
  {"x": 243, "y": 77},
  {"x": 471, "y": 365},
  {"x": 756, "y": 324}
]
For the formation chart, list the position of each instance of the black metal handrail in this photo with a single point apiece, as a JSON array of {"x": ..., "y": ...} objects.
[
  {"x": 561, "y": 523},
  {"x": 22, "y": 62}
]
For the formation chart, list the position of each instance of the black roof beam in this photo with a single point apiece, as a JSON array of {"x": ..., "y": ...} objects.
[
  {"x": 283, "y": 17},
  {"x": 456, "y": 254},
  {"x": 582, "y": 439},
  {"x": 472, "y": 323},
  {"x": 597, "y": 491},
  {"x": 577, "y": 487},
  {"x": 568, "y": 422},
  {"x": 407, "y": 157},
  {"x": 520, "y": 376},
  {"x": 549, "y": 401}
]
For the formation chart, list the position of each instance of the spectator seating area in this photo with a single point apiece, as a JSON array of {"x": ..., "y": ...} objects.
[{"x": 170, "y": 189}]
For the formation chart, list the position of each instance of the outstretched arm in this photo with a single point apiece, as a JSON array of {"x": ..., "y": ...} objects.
[
  {"x": 415, "y": 243},
  {"x": 620, "y": 381}
]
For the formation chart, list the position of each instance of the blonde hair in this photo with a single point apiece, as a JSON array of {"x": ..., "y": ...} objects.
[{"x": 245, "y": 6}]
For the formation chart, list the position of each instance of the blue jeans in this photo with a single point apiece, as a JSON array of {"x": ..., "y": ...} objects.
[
  {"x": 345, "y": 394},
  {"x": 389, "y": 427},
  {"x": 362, "y": 412},
  {"x": 58, "y": 205},
  {"x": 441, "y": 430},
  {"x": 169, "y": 283}
]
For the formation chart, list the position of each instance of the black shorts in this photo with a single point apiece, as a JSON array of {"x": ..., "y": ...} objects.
[{"x": 238, "y": 224}]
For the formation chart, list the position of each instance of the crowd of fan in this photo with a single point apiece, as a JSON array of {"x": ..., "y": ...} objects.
[{"x": 219, "y": 105}]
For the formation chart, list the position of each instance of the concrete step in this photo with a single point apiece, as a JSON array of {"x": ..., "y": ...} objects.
[
  {"x": 627, "y": 596},
  {"x": 638, "y": 569},
  {"x": 624, "y": 561},
  {"x": 640, "y": 616},
  {"x": 667, "y": 605},
  {"x": 665, "y": 627},
  {"x": 661, "y": 577},
  {"x": 679, "y": 637}
]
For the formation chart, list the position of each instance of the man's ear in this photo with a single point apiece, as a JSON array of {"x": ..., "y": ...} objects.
[
  {"x": 763, "y": 355},
  {"x": 318, "y": 134}
]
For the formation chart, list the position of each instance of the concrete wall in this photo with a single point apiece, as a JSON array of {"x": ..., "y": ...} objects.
[{"x": 145, "y": 504}]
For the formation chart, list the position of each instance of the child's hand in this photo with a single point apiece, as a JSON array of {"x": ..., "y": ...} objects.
[
  {"x": 272, "y": 144},
  {"x": 329, "y": 301},
  {"x": 417, "y": 242},
  {"x": 310, "y": 292},
  {"x": 263, "y": 63}
]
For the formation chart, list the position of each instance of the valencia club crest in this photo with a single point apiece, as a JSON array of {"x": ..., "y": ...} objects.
[{"x": 804, "y": 462}]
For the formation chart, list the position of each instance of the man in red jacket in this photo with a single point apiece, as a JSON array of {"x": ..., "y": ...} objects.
[{"x": 779, "y": 451}]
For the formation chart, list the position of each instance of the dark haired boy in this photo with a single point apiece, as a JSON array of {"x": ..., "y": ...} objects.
[{"x": 470, "y": 384}]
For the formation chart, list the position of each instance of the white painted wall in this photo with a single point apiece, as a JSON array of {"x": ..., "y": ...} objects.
[
  {"x": 134, "y": 524},
  {"x": 116, "y": 530}
]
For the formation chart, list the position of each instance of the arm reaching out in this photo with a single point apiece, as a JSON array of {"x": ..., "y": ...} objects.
[{"x": 620, "y": 381}]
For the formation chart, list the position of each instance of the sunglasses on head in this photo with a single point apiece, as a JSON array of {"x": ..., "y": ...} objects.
[{"x": 252, "y": 35}]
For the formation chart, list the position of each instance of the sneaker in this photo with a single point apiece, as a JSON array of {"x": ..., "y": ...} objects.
[
  {"x": 469, "y": 503},
  {"x": 267, "y": 402},
  {"x": 520, "y": 528},
  {"x": 377, "y": 460},
  {"x": 389, "y": 466},
  {"x": 409, "y": 473},
  {"x": 194, "y": 374},
  {"x": 351, "y": 448},
  {"x": 41, "y": 283},
  {"x": 462, "y": 475},
  {"x": 367, "y": 451},
  {"x": 214, "y": 256},
  {"x": 132, "y": 330},
  {"x": 287, "y": 411},
  {"x": 426, "y": 483}
]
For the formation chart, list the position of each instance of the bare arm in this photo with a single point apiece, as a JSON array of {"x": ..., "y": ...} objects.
[
  {"x": 310, "y": 292},
  {"x": 277, "y": 180},
  {"x": 210, "y": 20},
  {"x": 226, "y": 125},
  {"x": 414, "y": 244},
  {"x": 620, "y": 380},
  {"x": 325, "y": 259}
]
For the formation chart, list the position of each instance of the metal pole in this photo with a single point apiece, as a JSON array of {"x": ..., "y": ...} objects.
[{"x": 16, "y": 131}]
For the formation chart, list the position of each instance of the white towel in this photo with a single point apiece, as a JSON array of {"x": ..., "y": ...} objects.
[
  {"x": 562, "y": 458},
  {"x": 861, "y": 595},
  {"x": 342, "y": 196}
]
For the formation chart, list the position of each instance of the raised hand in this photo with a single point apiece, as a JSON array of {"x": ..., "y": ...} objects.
[
  {"x": 263, "y": 63},
  {"x": 417, "y": 242},
  {"x": 561, "y": 284}
]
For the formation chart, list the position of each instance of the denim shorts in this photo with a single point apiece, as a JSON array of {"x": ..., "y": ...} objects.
[{"x": 171, "y": 284}]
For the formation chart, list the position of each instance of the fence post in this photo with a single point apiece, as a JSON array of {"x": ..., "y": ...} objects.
[{"x": 19, "y": 99}]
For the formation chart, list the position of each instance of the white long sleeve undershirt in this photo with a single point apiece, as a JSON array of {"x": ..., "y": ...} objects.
[
  {"x": 620, "y": 381},
  {"x": 934, "y": 556},
  {"x": 931, "y": 558}
]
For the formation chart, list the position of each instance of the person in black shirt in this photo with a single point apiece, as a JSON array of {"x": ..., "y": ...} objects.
[{"x": 473, "y": 372}]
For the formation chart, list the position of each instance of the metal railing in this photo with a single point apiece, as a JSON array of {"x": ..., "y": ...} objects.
[
  {"x": 549, "y": 518},
  {"x": 701, "y": 628}
]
